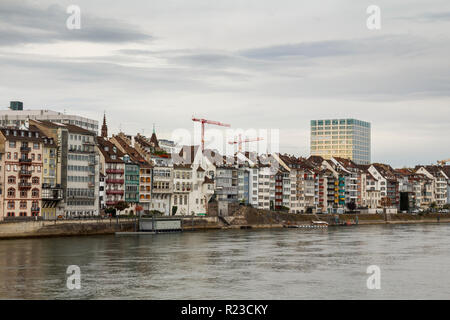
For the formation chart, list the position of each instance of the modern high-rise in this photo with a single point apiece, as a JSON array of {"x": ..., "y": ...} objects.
[{"x": 345, "y": 138}]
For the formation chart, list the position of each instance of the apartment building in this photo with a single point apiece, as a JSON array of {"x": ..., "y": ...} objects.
[
  {"x": 226, "y": 183},
  {"x": 182, "y": 187},
  {"x": 203, "y": 190},
  {"x": 282, "y": 188},
  {"x": 162, "y": 188},
  {"x": 52, "y": 193},
  {"x": 440, "y": 182},
  {"x": 21, "y": 154},
  {"x": 77, "y": 167},
  {"x": 112, "y": 167}
]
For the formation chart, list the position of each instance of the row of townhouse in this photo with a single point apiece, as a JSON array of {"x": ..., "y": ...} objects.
[
  {"x": 47, "y": 170},
  {"x": 181, "y": 187},
  {"x": 52, "y": 169},
  {"x": 319, "y": 185}
]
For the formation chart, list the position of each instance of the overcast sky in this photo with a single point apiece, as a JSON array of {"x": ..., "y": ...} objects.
[{"x": 251, "y": 63}]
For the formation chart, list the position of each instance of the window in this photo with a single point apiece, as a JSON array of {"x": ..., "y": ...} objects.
[
  {"x": 11, "y": 179},
  {"x": 35, "y": 145},
  {"x": 10, "y": 204},
  {"x": 12, "y": 144},
  {"x": 23, "y": 193},
  {"x": 11, "y": 193},
  {"x": 8, "y": 155},
  {"x": 23, "y": 204},
  {"x": 35, "y": 193},
  {"x": 35, "y": 180}
]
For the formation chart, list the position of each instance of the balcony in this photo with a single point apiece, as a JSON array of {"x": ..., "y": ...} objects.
[
  {"x": 52, "y": 193},
  {"x": 35, "y": 210},
  {"x": 114, "y": 192},
  {"x": 24, "y": 173},
  {"x": 25, "y": 161},
  {"x": 111, "y": 203},
  {"x": 25, "y": 149},
  {"x": 116, "y": 181},
  {"x": 119, "y": 171},
  {"x": 24, "y": 185}
]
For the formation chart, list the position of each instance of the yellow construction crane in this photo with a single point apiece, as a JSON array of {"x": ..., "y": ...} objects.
[{"x": 443, "y": 162}]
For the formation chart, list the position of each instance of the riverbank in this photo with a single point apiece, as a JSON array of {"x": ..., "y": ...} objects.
[
  {"x": 244, "y": 218},
  {"x": 63, "y": 228}
]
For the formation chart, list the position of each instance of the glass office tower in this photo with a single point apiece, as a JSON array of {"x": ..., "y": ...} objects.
[{"x": 345, "y": 138}]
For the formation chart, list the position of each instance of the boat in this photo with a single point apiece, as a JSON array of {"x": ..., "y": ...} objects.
[{"x": 320, "y": 223}]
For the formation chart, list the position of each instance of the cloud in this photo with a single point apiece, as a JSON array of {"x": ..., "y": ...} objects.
[
  {"x": 258, "y": 65},
  {"x": 429, "y": 17},
  {"x": 395, "y": 44},
  {"x": 23, "y": 23}
]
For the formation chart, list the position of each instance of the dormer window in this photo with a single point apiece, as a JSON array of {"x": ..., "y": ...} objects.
[
  {"x": 15, "y": 133},
  {"x": 22, "y": 133},
  {"x": 106, "y": 148},
  {"x": 29, "y": 134},
  {"x": 113, "y": 157}
]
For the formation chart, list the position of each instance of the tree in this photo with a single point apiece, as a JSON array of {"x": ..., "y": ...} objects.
[
  {"x": 121, "y": 205},
  {"x": 386, "y": 202},
  {"x": 111, "y": 211},
  {"x": 351, "y": 206},
  {"x": 433, "y": 206}
]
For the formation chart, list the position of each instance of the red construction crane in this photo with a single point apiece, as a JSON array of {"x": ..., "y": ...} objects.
[
  {"x": 239, "y": 142},
  {"x": 203, "y": 121}
]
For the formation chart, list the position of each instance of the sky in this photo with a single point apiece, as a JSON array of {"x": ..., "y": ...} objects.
[{"x": 250, "y": 63}]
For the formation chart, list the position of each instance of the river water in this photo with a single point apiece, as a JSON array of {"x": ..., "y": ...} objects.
[{"x": 414, "y": 262}]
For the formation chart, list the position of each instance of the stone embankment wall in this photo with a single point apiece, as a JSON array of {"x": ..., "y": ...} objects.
[
  {"x": 25, "y": 229},
  {"x": 247, "y": 216},
  {"x": 244, "y": 217}
]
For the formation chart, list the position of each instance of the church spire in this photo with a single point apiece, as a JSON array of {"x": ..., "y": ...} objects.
[{"x": 104, "y": 127}]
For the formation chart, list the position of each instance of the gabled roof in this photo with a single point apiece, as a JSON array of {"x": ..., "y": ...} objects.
[
  {"x": 208, "y": 180},
  {"x": 132, "y": 153},
  {"x": 109, "y": 150}
]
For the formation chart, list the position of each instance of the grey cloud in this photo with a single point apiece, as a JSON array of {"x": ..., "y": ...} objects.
[
  {"x": 429, "y": 17},
  {"x": 392, "y": 44},
  {"x": 22, "y": 23}
]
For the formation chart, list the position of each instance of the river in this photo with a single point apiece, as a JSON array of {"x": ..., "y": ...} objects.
[{"x": 414, "y": 262}]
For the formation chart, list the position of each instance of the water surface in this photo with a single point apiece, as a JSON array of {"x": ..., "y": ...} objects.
[{"x": 240, "y": 264}]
